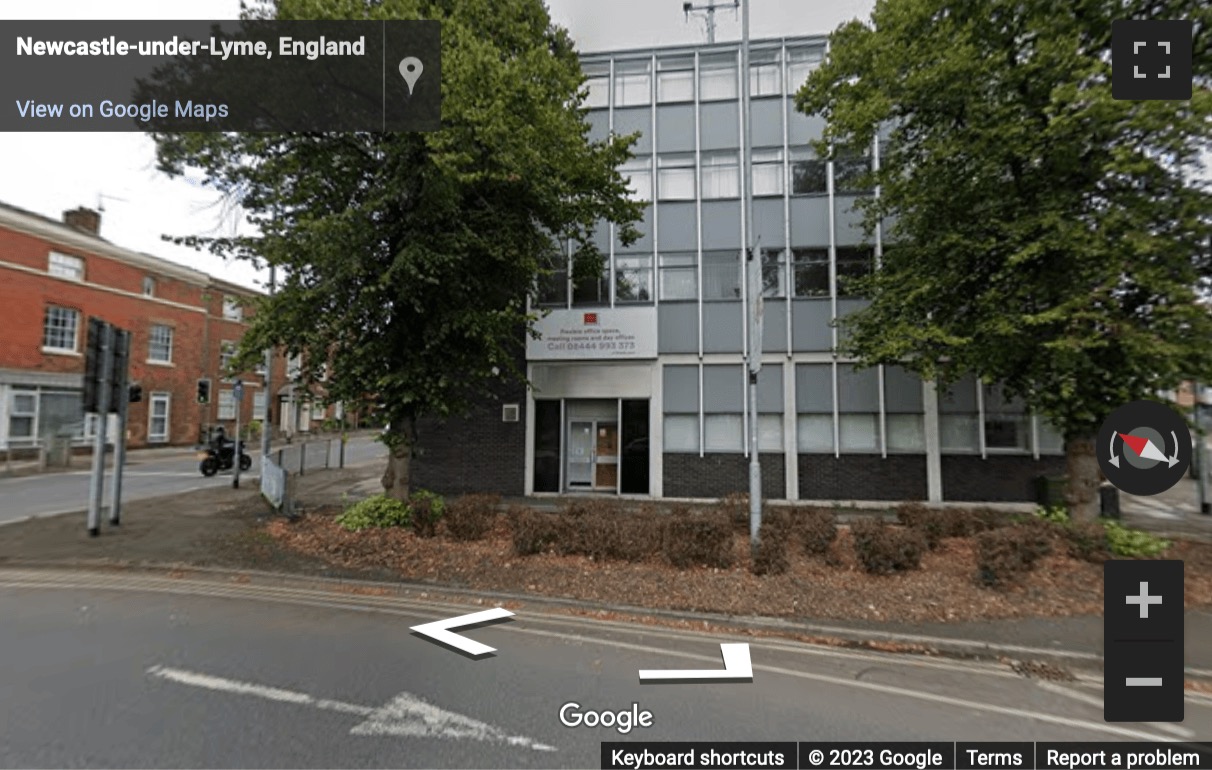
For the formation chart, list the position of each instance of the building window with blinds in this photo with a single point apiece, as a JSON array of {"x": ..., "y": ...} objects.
[
  {"x": 959, "y": 418},
  {"x": 632, "y": 83},
  {"x": 809, "y": 174},
  {"x": 633, "y": 278},
  {"x": 811, "y": 271},
  {"x": 721, "y": 175},
  {"x": 768, "y": 172},
  {"x": 722, "y": 274},
  {"x": 800, "y": 64},
  {"x": 675, "y": 79},
  {"x": 814, "y": 408},
  {"x": 717, "y": 78},
  {"x": 853, "y": 264},
  {"x": 597, "y": 83},
  {"x": 681, "y": 396},
  {"x": 638, "y": 173},
  {"x": 678, "y": 277},
  {"x": 858, "y": 409},
  {"x": 675, "y": 177},
  {"x": 765, "y": 73}
]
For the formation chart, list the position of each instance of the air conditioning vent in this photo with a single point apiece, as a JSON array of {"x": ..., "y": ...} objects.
[{"x": 509, "y": 413}]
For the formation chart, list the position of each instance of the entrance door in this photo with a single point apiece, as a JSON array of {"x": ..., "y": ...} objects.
[
  {"x": 580, "y": 455},
  {"x": 606, "y": 456}
]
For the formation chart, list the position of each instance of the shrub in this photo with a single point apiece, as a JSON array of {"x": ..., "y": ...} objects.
[
  {"x": 1004, "y": 554},
  {"x": 698, "y": 538},
  {"x": 933, "y": 525},
  {"x": 425, "y": 508},
  {"x": 1057, "y": 514},
  {"x": 533, "y": 532},
  {"x": 377, "y": 511},
  {"x": 882, "y": 549},
  {"x": 1088, "y": 541},
  {"x": 736, "y": 506},
  {"x": 771, "y": 557},
  {"x": 817, "y": 529},
  {"x": 471, "y": 517},
  {"x": 1132, "y": 542}
]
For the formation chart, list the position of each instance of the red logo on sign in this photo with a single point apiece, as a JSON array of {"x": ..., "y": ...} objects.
[{"x": 591, "y": 319}]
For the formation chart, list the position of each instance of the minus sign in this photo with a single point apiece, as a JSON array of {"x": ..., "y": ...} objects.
[
  {"x": 1143, "y": 681},
  {"x": 1142, "y": 640}
]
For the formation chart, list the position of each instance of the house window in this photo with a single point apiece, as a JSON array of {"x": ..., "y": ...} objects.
[
  {"x": 149, "y": 286},
  {"x": 597, "y": 83},
  {"x": 632, "y": 83},
  {"x": 717, "y": 78},
  {"x": 160, "y": 344},
  {"x": 157, "y": 418},
  {"x": 721, "y": 175},
  {"x": 59, "y": 329},
  {"x": 633, "y": 278},
  {"x": 774, "y": 273},
  {"x": 638, "y": 174},
  {"x": 66, "y": 266},
  {"x": 227, "y": 405},
  {"x": 232, "y": 310},
  {"x": 259, "y": 405},
  {"x": 768, "y": 172},
  {"x": 675, "y": 177},
  {"x": 294, "y": 366},
  {"x": 721, "y": 274},
  {"x": 675, "y": 79},
  {"x": 227, "y": 352},
  {"x": 678, "y": 279},
  {"x": 22, "y": 415},
  {"x": 811, "y": 272},
  {"x": 318, "y": 412},
  {"x": 853, "y": 263},
  {"x": 808, "y": 173},
  {"x": 800, "y": 63},
  {"x": 765, "y": 74}
]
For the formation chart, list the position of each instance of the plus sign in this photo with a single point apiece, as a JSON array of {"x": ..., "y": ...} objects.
[{"x": 1144, "y": 600}]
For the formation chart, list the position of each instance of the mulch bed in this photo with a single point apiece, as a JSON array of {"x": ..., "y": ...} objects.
[{"x": 833, "y": 586}]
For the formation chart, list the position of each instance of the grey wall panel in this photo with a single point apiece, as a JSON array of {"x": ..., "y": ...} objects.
[
  {"x": 768, "y": 221},
  {"x": 959, "y": 397},
  {"x": 903, "y": 391},
  {"x": 723, "y": 388},
  {"x": 678, "y": 226},
  {"x": 810, "y": 327},
  {"x": 601, "y": 237},
  {"x": 719, "y": 125},
  {"x": 675, "y": 128},
  {"x": 858, "y": 390},
  {"x": 599, "y": 125},
  {"x": 802, "y": 129},
  {"x": 644, "y": 242},
  {"x": 850, "y": 223},
  {"x": 631, "y": 119},
  {"x": 774, "y": 326},
  {"x": 681, "y": 389},
  {"x": 846, "y": 307},
  {"x": 721, "y": 225},
  {"x": 814, "y": 388},
  {"x": 770, "y": 389},
  {"x": 678, "y": 327},
  {"x": 767, "y": 122},
  {"x": 810, "y": 221},
  {"x": 722, "y": 332}
]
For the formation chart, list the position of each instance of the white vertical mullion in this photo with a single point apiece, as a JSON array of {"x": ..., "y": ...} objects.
[
  {"x": 837, "y": 433},
  {"x": 618, "y": 448},
  {"x": 652, "y": 105},
  {"x": 745, "y": 401},
  {"x": 744, "y": 267},
  {"x": 564, "y": 439},
  {"x": 656, "y": 433},
  {"x": 789, "y": 269},
  {"x": 791, "y": 466},
  {"x": 702, "y": 416},
  {"x": 1034, "y": 436},
  {"x": 980, "y": 417},
  {"x": 528, "y": 464},
  {"x": 698, "y": 200},
  {"x": 883, "y": 415},
  {"x": 930, "y": 426}
]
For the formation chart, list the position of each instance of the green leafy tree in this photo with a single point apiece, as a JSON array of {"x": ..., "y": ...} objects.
[
  {"x": 408, "y": 257},
  {"x": 1046, "y": 235}
]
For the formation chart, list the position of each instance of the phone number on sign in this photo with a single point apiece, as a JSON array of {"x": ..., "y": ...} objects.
[{"x": 590, "y": 345}]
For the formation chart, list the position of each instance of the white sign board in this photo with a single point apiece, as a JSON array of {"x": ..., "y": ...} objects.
[{"x": 579, "y": 334}]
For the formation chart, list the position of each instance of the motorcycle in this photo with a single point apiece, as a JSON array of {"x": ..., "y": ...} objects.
[{"x": 220, "y": 458}]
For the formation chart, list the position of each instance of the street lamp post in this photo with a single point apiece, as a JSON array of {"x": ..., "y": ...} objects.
[{"x": 754, "y": 267}]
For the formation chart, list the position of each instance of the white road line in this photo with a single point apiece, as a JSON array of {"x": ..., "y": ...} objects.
[{"x": 405, "y": 716}]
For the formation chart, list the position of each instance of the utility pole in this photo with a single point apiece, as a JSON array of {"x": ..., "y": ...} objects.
[
  {"x": 266, "y": 418},
  {"x": 754, "y": 255},
  {"x": 237, "y": 395},
  {"x": 708, "y": 10}
]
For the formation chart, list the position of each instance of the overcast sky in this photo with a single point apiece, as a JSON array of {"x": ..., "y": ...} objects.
[{"x": 50, "y": 172}]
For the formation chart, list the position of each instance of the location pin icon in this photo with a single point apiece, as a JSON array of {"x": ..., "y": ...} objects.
[{"x": 411, "y": 69}]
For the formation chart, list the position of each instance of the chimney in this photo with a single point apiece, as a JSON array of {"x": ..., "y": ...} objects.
[{"x": 83, "y": 219}]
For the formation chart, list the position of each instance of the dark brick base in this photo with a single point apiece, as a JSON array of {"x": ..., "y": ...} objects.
[
  {"x": 996, "y": 479},
  {"x": 717, "y": 475},
  {"x": 862, "y": 477},
  {"x": 477, "y": 453}
]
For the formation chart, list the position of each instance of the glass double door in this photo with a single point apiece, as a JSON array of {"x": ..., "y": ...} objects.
[{"x": 593, "y": 455}]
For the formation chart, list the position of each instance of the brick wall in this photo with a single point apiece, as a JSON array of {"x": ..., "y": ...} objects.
[
  {"x": 718, "y": 475},
  {"x": 862, "y": 477},
  {"x": 477, "y": 453},
  {"x": 996, "y": 479}
]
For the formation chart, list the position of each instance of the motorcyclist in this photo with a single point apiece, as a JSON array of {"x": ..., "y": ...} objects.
[{"x": 219, "y": 441}]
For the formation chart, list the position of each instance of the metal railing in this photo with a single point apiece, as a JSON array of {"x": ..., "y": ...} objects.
[{"x": 281, "y": 467}]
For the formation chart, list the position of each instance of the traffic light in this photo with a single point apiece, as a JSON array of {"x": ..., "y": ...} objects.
[
  {"x": 120, "y": 353},
  {"x": 92, "y": 363},
  {"x": 203, "y": 391},
  {"x": 136, "y": 393}
]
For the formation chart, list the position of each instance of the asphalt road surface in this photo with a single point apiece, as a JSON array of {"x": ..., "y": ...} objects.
[
  {"x": 53, "y": 493},
  {"x": 110, "y": 670}
]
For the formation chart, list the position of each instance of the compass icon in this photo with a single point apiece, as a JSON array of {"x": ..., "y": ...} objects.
[{"x": 1144, "y": 447}]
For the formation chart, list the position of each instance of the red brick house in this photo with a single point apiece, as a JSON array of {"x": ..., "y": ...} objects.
[{"x": 54, "y": 276}]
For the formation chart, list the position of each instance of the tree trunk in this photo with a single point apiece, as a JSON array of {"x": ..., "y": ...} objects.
[
  {"x": 1081, "y": 492},
  {"x": 397, "y": 479}
]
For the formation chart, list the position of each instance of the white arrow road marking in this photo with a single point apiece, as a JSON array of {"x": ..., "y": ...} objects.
[
  {"x": 440, "y": 631},
  {"x": 737, "y": 668},
  {"x": 406, "y": 714}
]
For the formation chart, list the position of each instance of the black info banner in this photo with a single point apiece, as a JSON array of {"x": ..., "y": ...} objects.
[{"x": 928, "y": 755}]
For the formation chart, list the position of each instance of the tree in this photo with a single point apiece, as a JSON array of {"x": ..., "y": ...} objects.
[
  {"x": 1044, "y": 233},
  {"x": 409, "y": 257}
]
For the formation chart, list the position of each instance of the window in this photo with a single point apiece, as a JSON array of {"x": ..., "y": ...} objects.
[
  {"x": 850, "y": 174},
  {"x": 675, "y": 79},
  {"x": 66, "y": 266},
  {"x": 675, "y": 177},
  {"x": 632, "y": 83},
  {"x": 160, "y": 345},
  {"x": 681, "y": 433},
  {"x": 1051, "y": 442},
  {"x": 1007, "y": 424},
  {"x": 232, "y": 310},
  {"x": 811, "y": 271},
  {"x": 800, "y": 63},
  {"x": 259, "y": 405},
  {"x": 598, "y": 85},
  {"x": 227, "y": 352},
  {"x": 59, "y": 329},
  {"x": 590, "y": 288},
  {"x": 723, "y": 433},
  {"x": 721, "y": 175},
  {"x": 770, "y": 433},
  {"x": 717, "y": 78},
  {"x": 678, "y": 279},
  {"x": 814, "y": 407},
  {"x": 958, "y": 417},
  {"x": 774, "y": 273},
  {"x": 808, "y": 173},
  {"x": 721, "y": 275},
  {"x": 149, "y": 286},
  {"x": 858, "y": 408},
  {"x": 227, "y": 405},
  {"x": 553, "y": 281},
  {"x": 294, "y": 366},
  {"x": 638, "y": 173},
  {"x": 157, "y": 417},
  {"x": 22, "y": 414},
  {"x": 765, "y": 74},
  {"x": 633, "y": 278},
  {"x": 768, "y": 172},
  {"x": 903, "y": 408},
  {"x": 853, "y": 263}
]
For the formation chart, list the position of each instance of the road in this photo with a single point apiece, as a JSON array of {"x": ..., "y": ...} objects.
[
  {"x": 53, "y": 493},
  {"x": 111, "y": 670}
]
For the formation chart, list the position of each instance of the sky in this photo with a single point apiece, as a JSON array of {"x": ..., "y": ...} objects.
[{"x": 49, "y": 173}]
